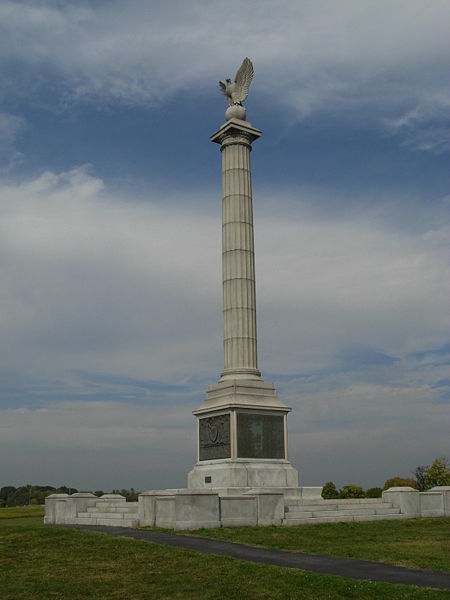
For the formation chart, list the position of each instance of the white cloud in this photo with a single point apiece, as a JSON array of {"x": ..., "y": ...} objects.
[{"x": 382, "y": 60}]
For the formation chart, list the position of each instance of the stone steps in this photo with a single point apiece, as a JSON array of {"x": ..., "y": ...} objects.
[
  {"x": 108, "y": 515},
  {"x": 340, "y": 519},
  {"x": 318, "y": 511},
  {"x": 114, "y": 504},
  {"x": 114, "y": 509},
  {"x": 111, "y": 512},
  {"x": 313, "y": 507},
  {"x": 298, "y": 512},
  {"x": 292, "y": 501},
  {"x": 111, "y": 521},
  {"x": 343, "y": 512}
]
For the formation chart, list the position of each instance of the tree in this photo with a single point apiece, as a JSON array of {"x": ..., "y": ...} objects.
[
  {"x": 420, "y": 476},
  {"x": 438, "y": 473},
  {"x": 329, "y": 491},
  {"x": 374, "y": 492},
  {"x": 352, "y": 491}
]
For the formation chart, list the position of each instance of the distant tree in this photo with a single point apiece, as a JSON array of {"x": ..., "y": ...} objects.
[
  {"x": 374, "y": 492},
  {"x": 438, "y": 473},
  {"x": 329, "y": 491},
  {"x": 400, "y": 482},
  {"x": 131, "y": 495},
  {"x": 419, "y": 474},
  {"x": 5, "y": 492},
  {"x": 352, "y": 491},
  {"x": 99, "y": 493}
]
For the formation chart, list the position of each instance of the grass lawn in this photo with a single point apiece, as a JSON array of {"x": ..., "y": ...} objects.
[
  {"x": 20, "y": 512},
  {"x": 39, "y": 562},
  {"x": 423, "y": 543}
]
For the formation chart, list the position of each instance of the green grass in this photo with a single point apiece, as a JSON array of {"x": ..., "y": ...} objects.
[
  {"x": 423, "y": 543},
  {"x": 39, "y": 562},
  {"x": 20, "y": 512}
]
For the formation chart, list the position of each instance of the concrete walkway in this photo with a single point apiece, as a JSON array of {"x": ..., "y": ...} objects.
[{"x": 344, "y": 567}]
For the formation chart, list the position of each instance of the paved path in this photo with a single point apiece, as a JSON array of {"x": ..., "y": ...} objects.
[{"x": 344, "y": 567}]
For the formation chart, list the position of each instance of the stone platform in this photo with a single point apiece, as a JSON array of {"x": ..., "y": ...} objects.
[{"x": 195, "y": 509}]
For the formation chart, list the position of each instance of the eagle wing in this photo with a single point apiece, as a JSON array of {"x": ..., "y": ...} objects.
[
  {"x": 223, "y": 88},
  {"x": 242, "y": 80}
]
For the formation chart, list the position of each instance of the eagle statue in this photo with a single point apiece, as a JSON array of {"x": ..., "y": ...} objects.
[{"x": 237, "y": 92}]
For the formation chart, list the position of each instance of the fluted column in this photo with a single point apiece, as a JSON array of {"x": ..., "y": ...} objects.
[{"x": 238, "y": 258}]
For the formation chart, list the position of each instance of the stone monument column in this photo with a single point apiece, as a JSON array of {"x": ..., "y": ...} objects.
[
  {"x": 238, "y": 258},
  {"x": 242, "y": 424}
]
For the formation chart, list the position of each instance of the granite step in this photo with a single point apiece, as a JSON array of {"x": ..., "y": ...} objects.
[
  {"x": 108, "y": 515},
  {"x": 376, "y": 510},
  {"x": 114, "y": 509},
  {"x": 114, "y": 503},
  {"x": 340, "y": 519},
  {"x": 111, "y": 521},
  {"x": 337, "y": 502}
]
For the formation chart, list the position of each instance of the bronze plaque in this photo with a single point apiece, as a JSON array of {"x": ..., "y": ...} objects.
[
  {"x": 214, "y": 433},
  {"x": 260, "y": 436}
]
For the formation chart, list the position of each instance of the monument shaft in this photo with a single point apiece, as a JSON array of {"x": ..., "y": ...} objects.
[{"x": 238, "y": 258}]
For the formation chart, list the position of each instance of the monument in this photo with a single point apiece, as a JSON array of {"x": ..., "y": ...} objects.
[
  {"x": 242, "y": 475},
  {"x": 242, "y": 424}
]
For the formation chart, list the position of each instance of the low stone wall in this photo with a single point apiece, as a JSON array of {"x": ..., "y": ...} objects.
[
  {"x": 412, "y": 503},
  {"x": 194, "y": 509}
]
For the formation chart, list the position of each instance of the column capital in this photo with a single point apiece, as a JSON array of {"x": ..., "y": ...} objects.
[{"x": 235, "y": 128}]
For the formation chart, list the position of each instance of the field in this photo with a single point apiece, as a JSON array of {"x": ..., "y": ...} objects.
[{"x": 38, "y": 562}]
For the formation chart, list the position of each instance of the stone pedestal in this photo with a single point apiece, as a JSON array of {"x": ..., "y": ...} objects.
[{"x": 242, "y": 424}]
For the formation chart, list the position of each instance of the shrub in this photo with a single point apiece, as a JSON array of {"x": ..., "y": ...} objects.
[
  {"x": 438, "y": 473},
  {"x": 352, "y": 491},
  {"x": 400, "y": 482},
  {"x": 374, "y": 492},
  {"x": 329, "y": 491}
]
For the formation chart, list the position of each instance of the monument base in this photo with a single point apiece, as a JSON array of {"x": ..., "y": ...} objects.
[{"x": 242, "y": 474}]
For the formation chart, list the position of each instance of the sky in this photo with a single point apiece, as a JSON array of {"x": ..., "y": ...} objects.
[{"x": 110, "y": 200}]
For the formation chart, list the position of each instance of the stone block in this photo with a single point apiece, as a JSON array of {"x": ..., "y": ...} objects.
[
  {"x": 55, "y": 512},
  {"x": 196, "y": 509},
  {"x": 165, "y": 512},
  {"x": 311, "y": 493},
  {"x": 270, "y": 508},
  {"x": 404, "y": 498},
  {"x": 445, "y": 491},
  {"x": 431, "y": 504},
  {"x": 237, "y": 511},
  {"x": 147, "y": 505}
]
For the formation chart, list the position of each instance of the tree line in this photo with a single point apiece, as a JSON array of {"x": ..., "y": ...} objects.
[
  {"x": 36, "y": 494},
  {"x": 425, "y": 478}
]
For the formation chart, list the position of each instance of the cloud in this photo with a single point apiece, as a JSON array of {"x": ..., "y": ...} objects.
[
  {"x": 110, "y": 332},
  {"x": 426, "y": 126},
  {"x": 366, "y": 61},
  {"x": 103, "y": 282},
  {"x": 100, "y": 445}
]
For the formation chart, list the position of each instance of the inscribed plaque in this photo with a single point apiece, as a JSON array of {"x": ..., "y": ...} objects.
[{"x": 260, "y": 436}]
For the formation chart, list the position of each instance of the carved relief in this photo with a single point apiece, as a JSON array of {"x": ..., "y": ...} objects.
[{"x": 214, "y": 437}]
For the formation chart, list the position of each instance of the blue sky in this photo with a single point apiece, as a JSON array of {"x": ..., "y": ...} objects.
[{"x": 110, "y": 299}]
